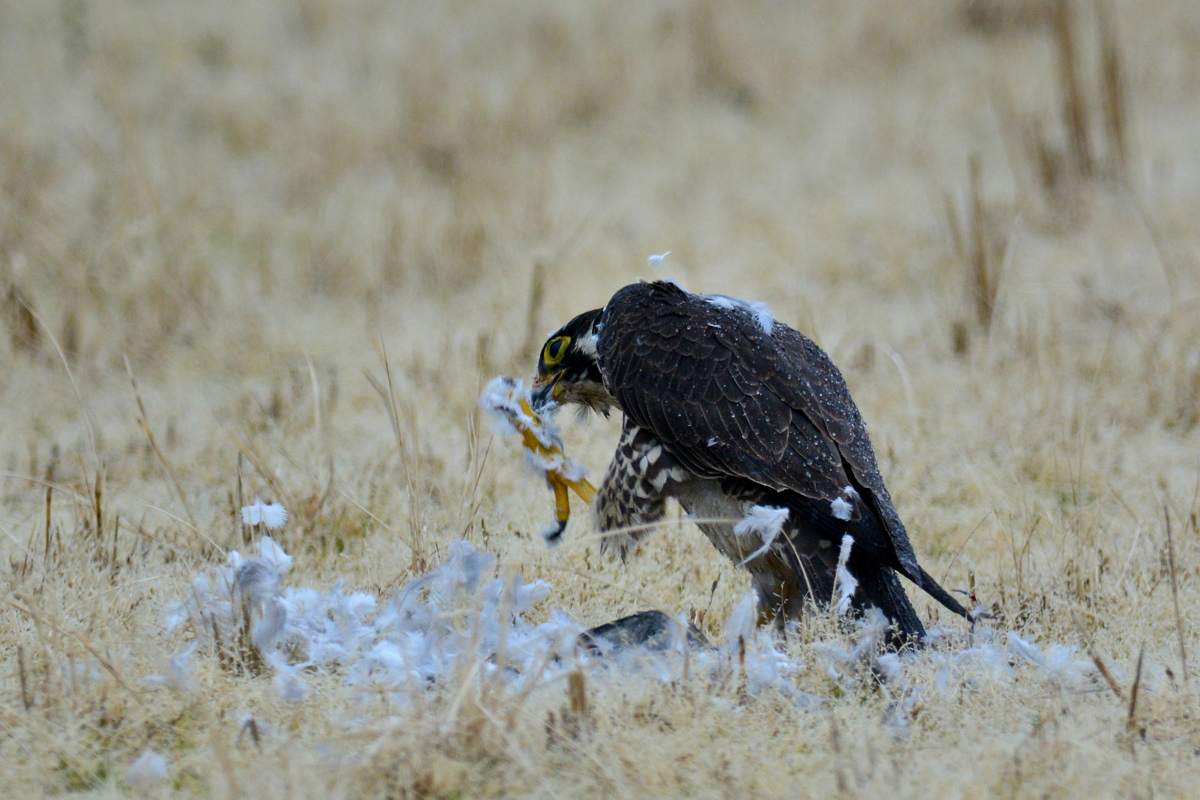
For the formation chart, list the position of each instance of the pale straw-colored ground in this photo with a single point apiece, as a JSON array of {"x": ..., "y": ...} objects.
[{"x": 259, "y": 205}]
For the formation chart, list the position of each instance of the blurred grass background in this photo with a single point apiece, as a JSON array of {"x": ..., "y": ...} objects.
[{"x": 986, "y": 211}]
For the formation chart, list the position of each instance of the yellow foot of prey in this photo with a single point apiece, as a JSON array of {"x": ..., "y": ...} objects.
[{"x": 508, "y": 401}]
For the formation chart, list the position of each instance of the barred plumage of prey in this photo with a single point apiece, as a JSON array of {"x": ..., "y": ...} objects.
[{"x": 750, "y": 427}]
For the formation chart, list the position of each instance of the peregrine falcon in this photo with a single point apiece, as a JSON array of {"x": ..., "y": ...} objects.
[{"x": 750, "y": 427}]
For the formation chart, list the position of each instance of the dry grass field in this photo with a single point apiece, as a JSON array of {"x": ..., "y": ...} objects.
[{"x": 276, "y": 249}]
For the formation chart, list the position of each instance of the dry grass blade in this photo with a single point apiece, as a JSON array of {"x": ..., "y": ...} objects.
[
  {"x": 473, "y": 477},
  {"x": 381, "y": 523},
  {"x": 983, "y": 283},
  {"x": 316, "y": 394},
  {"x": 1112, "y": 87},
  {"x": 387, "y": 393},
  {"x": 249, "y": 449},
  {"x": 1074, "y": 104},
  {"x": 210, "y": 545},
  {"x": 577, "y": 693},
  {"x": 1108, "y": 676},
  {"x": 83, "y": 411},
  {"x": 23, "y": 326},
  {"x": 1175, "y": 595},
  {"x": 835, "y": 743},
  {"x": 49, "y": 484},
  {"x": 1131, "y": 718},
  {"x": 239, "y": 502},
  {"x": 1100, "y": 665},
  {"x": 537, "y": 297},
  {"x": 96, "y": 654},
  {"x": 49, "y": 517},
  {"x": 959, "y": 550},
  {"x": 143, "y": 422},
  {"x": 957, "y": 238},
  {"x": 26, "y": 697}
]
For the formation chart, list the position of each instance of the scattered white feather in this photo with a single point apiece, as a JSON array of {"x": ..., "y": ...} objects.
[
  {"x": 764, "y": 521},
  {"x": 457, "y": 617},
  {"x": 1058, "y": 663},
  {"x": 742, "y": 622},
  {"x": 415, "y": 640},
  {"x": 996, "y": 659},
  {"x": 271, "y": 516},
  {"x": 288, "y": 684},
  {"x": 841, "y": 509},
  {"x": 502, "y": 398},
  {"x": 900, "y": 711},
  {"x": 540, "y": 464},
  {"x": 146, "y": 771},
  {"x": 762, "y": 315},
  {"x": 78, "y": 672},
  {"x": 179, "y": 671},
  {"x": 845, "y": 584},
  {"x": 272, "y": 555},
  {"x": 980, "y": 611},
  {"x": 841, "y": 662},
  {"x": 979, "y": 665},
  {"x": 572, "y": 470},
  {"x": 657, "y": 259},
  {"x": 850, "y": 492},
  {"x": 753, "y": 650},
  {"x": 1026, "y": 650},
  {"x": 888, "y": 667}
]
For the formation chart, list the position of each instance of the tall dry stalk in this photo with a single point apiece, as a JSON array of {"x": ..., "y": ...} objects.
[
  {"x": 1175, "y": 595},
  {"x": 983, "y": 279},
  {"x": 537, "y": 298},
  {"x": 1074, "y": 102},
  {"x": 143, "y": 422},
  {"x": 387, "y": 393},
  {"x": 1112, "y": 90}
]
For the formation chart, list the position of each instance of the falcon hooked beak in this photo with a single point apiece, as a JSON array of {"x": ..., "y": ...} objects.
[{"x": 567, "y": 371}]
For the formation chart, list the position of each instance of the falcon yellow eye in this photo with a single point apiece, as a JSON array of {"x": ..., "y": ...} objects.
[{"x": 556, "y": 348}]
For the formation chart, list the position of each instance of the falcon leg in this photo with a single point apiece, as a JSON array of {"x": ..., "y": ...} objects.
[
  {"x": 632, "y": 496},
  {"x": 785, "y": 582}
]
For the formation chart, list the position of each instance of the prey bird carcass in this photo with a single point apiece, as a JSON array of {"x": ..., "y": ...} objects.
[{"x": 508, "y": 401}]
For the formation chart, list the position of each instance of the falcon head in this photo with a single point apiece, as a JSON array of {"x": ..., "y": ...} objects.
[{"x": 568, "y": 371}]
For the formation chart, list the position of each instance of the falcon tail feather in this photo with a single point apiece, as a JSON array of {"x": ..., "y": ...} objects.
[
  {"x": 935, "y": 590},
  {"x": 880, "y": 587}
]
